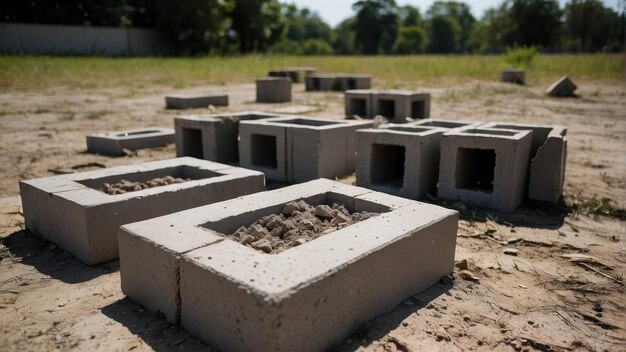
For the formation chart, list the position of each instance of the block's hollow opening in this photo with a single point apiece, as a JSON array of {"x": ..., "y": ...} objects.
[
  {"x": 358, "y": 106},
  {"x": 306, "y": 122},
  {"x": 316, "y": 83},
  {"x": 351, "y": 82},
  {"x": 540, "y": 134},
  {"x": 418, "y": 109},
  {"x": 491, "y": 132},
  {"x": 278, "y": 228},
  {"x": 445, "y": 124},
  {"x": 387, "y": 165},
  {"x": 192, "y": 142},
  {"x": 337, "y": 85},
  {"x": 140, "y": 180},
  {"x": 386, "y": 108},
  {"x": 136, "y": 133},
  {"x": 263, "y": 151},
  {"x": 413, "y": 129},
  {"x": 475, "y": 169}
]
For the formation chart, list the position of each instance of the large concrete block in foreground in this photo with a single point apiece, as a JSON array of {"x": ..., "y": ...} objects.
[
  {"x": 114, "y": 143},
  {"x": 303, "y": 299},
  {"x": 485, "y": 167},
  {"x": 548, "y": 157},
  {"x": 74, "y": 211},
  {"x": 564, "y": 87},
  {"x": 513, "y": 75},
  {"x": 297, "y": 149},
  {"x": 273, "y": 90},
  {"x": 188, "y": 101},
  {"x": 397, "y": 105},
  {"x": 401, "y": 160},
  {"x": 337, "y": 82},
  {"x": 212, "y": 137}
]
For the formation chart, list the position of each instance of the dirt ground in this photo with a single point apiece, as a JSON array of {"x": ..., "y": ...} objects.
[{"x": 535, "y": 300}]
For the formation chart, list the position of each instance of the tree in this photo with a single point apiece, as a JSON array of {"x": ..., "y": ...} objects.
[
  {"x": 589, "y": 25},
  {"x": 410, "y": 16},
  {"x": 316, "y": 47},
  {"x": 303, "y": 24},
  {"x": 411, "y": 40},
  {"x": 257, "y": 24},
  {"x": 344, "y": 38},
  {"x": 443, "y": 34},
  {"x": 534, "y": 22},
  {"x": 461, "y": 13},
  {"x": 376, "y": 25}
]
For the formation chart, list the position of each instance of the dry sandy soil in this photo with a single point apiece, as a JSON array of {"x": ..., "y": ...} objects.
[{"x": 537, "y": 300}]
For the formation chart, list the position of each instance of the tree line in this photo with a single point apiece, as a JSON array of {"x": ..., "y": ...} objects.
[{"x": 377, "y": 26}]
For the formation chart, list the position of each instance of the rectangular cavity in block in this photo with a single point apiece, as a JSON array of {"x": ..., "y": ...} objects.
[
  {"x": 192, "y": 142},
  {"x": 418, "y": 109},
  {"x": 358, "y": 106},
  {"x": 493, "y": 132},
  {"x": 386, "y": 108},
  {"x": 304, "y": 122},
  {"x": 475, "y": 169},
  {"x": 387, "y": 165},
  {"x": 444, "y": 124},
  {"x": 263, "y": 150}
]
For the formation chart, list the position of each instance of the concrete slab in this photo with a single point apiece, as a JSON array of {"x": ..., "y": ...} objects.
[
  {"x": 564, "y": 87},
  {"x": 397, "y": 105},
  {"x": 273, "y": 90},
  {"x": 548, "y": 157},
  {"x": 113, "y": 143},
  {"x": 73, "y": 212},
  {"x": 402, "y": 160},
  {"x": 485, "y": 167},
  {"x": 189, "y": 101},
  {"x": 236, "y": 298},
  {"x": 298, "y": 149},
  {"x": 212, "y": 137},
  {"x": 513, "y": 75}
]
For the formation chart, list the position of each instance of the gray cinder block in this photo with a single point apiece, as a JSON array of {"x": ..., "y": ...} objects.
[
  {"x": 359, "y": 102},
  {"x": 297, "y": 149},
  {"x": 446, "y": 124},
  {"x": 397, "y": 105},
  {"x": 236, "y": 298},
  {"x": 212, "y": 137},
  {"x": 547, "y": 159},
  {"x": 113, "y": 143},
  {"x": 337, "y": 82},
  {"x": 513, "y": 75},
  {"x": 297, "y": 74},
  {"x": 564, "y": 87},
  {"x": 72, "y": 211},
  {"x": 401, "y": 160},
  {"x": 485, "y": 167},
  {"x": 182, "y": 101},
  {"x": 273, "y": 90}
]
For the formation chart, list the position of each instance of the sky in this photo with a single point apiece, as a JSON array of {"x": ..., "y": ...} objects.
[{"x": 335, "y": 11}]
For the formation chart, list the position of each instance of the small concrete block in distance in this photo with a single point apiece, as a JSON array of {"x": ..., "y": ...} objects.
[
  {"x": 485, "y": 167},
  {"x": 397, "y": 105},
  {"x": 212, "y": 137},
  {"x": 239, "y": 299},
  {"x": 297, "y": 74},
  {"x": 564, "y": 87},
  {"x": 401, "y": 160},
  {"x": 547, "y": 159},
  {"x": 113, "y": 143},
  {"x": 513, "y": 75},
  {"x": 298, "y": 149},
  {"x": 273, "y": 90},
  {"x": 73, "y": 212},
  {"x": 359, "y": 102},
  {"x": 337, "y": 82},
  {"x": 180, "y": 101},
  {"x": 446, "y": 124}
]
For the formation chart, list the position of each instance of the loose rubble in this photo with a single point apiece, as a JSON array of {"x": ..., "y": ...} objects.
[
  {"x": 298, "y": 223},
  {"x": 125, "y": 186}
]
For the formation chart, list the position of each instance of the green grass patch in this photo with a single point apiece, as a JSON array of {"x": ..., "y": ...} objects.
[{"x": 32, "y": 72}]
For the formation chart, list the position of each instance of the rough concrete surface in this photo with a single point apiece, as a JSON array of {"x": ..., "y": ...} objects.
[
  {"x": 186, "y": 101},
  {"x": 563, "y": 87},
  {"x": 114, "y": 143},
  {"x": 273, "y": 90}
]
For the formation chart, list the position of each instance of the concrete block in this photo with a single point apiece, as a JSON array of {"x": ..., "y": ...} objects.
[
  {"x": 513, "y": 75},
  {"x": 359, "y": 102},
  {"x": 401, "y": 160},
  {"x": 337, "y": 82},
  {"x": 72, "y": 211},
  {"x": 397, "y": 105},
  {"x": 236, "y": 298},
  {"x": 113, "y": 143},
  {"x": 273, "y": 90},
  {"x": 297, "y": 74},
  {"x": 447, "y": 124},
  {"x": 564, "y": 87},
  {"x": 548, "y": 156},
  {"x": 485, "y": 167},
  {"x": 297, "y": 149},
  {"x": 181, "y": 101},
  {"x": 212, "y": 137}
]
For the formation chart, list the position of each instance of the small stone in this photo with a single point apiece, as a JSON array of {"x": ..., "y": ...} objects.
[
  {"x": 299, "y": 241},
  {"x": 405, "y": 324},
  {"x": 467, "y": 318},
  {"x": 339, "y": 219},
  {"x": 324, "y": 211},
  {"x": 511, "y": 251},
  {"x": 263, "y": 245},
  {"x": 247, "y": 239},
  {"x": 307, "y": 225},
  {"x": 462, "y": 265},
  {"x": 289, "y": 235},
  {"x": 290, "y": 208},
  {"x": 257, "y": 231},
  {"x": 277, "y": 232},
  {"x": 530, "y": 322}
]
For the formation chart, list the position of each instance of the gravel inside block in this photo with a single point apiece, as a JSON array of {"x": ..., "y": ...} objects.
[{"x": 125, "y": 186}]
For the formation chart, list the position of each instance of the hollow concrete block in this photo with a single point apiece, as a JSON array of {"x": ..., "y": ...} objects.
[
  {"x": 397, "y": 105},
  {"x": 564, "y": 87},
  {"x": 548, "y": 157},
  {"x": 359, "y": 102},
  {"x": 485, "y": 167},
  {"x": 183, "y": 101},
  {"x": 399, "y": 159},
  {"x": 273, "y": 90},
  {"x": 212, "y": 137},
  {"x": 71, "y": 211},
  {"x": 297, "y": 74},
  {"x": 114, "y": 143},
  {"x": 446, "y": 124},
  {"x": 513, "y": 75},
  {"x": 236, "y": 298},
  {"x": 337, "y": 82},
  {"x": 264, "y": 148}
]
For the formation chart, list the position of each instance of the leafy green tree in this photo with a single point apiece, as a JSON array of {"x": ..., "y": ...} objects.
[
  {"x": 303, "y": 24},
  {"x": 195, "y": 26},
  {"x": 257, "y": 24},
  {"x": 589, "y": 25},
  {"x": 376, "y": 25},
  {"x": 443, "y": 34},
  {"x": 344, "y": 37},
  {"x": 411, "y": 40},
  {"x": 533, "y": 22},
  {"x": 316, "y": 47},
  {"x": 461, "y": 13},
  {"x": 410, "y": 16}
]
